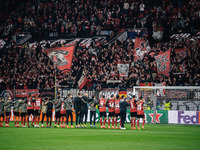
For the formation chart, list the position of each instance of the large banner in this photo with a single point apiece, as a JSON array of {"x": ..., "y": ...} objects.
[
  {"x": 163, "y": 63},
  {"x": 47, "y": 93},
  {"x": 83, "y": 41},
  {"x": 161, "y": 116},
  {"x": 182, "y": 35},
  {"x": 6, "y": 93},
  {"x": 82, "y": 81},
  {"x": 141, "y": 47},
  {"x": 61, "y": 57},
  {"x": 184, "y": 117},
  {"x": 21, "y": 93},
  {"x": 123, "y": 70}
]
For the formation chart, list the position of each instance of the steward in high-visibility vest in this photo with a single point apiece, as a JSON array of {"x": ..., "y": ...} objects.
[
  {"x": 149, "y": 105},
  {"x": 167, "y": 106}
]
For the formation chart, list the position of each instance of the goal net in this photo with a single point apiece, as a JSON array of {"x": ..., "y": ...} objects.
[{"x": 158, "y": 99}]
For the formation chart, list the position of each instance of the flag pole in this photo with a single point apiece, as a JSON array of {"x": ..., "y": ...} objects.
[{"x": 55, "y": 94}]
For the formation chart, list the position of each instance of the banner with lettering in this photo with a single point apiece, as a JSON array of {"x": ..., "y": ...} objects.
[
  {"x": 123, "y": 70},
  {"x": 61, "y": 57},
  {"x": 141, "y": 47},
  {"x": 163, "y": 63}
]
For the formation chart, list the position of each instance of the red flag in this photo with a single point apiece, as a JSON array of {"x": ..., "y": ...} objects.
[
  {"x": 82, "y": 81},
  {"x": 61, "y": 56},
  {"x": 141, "y": 47},
  {"x": 163, "y": 63}
]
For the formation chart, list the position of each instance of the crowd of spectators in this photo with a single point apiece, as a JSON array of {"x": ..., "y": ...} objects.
[
  {"x": 31, "y": 68},
  {"x": 24, "y": 67},
  {"x": 53, "y": 18}
]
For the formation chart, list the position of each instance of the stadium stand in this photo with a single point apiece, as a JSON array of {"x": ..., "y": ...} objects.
[{"x": 24, "y": 67}]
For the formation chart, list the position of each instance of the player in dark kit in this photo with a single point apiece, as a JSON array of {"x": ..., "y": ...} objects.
[
  {"x": 23, "y": 108},
  {"x": 37, "y": 109},
  {"x": 16, "y": 107},
  {"x": 111, "y": 109},
  {"x": 84, "y": 109},
  {"x": 123, "y": 108},
  {"x": 140, "y": 112},
  {"x": 69, "y": 110},
  {"x": 133, "y": 111},
  {"x": 30, "y": 109},
  {"x": 77, "y": 108},
  {"x": 57, "y": 111},
  {"x": 44, "y": 110},
  {"x": 92, "y": 105},
  {"x": 49, "y": 113},
  {"x": 8, "y": 106},
  {"x": 2, "y": 103},
  {"x": 102, "y": 110},
  {"x": 117, "y": 111}
]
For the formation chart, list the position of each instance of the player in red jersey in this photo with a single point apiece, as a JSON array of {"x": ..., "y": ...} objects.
[
  {"x": 133, "y": 111},
  {"x": 102, "y": 110},
  {"x": 117, "y": 111},
  {"x": 111, "y": 109},
  {"x": 140, "y": 112},
  {"x": 30, "y": 109},
  {"x": 37, "y": 109}
]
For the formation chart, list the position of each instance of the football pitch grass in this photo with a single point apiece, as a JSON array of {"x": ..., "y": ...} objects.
[{"x": 155, "y": 137}]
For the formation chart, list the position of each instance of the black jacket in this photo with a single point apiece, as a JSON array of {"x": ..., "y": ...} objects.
[
  {"x": 123, "y": 106},
  {"x": 84, "y": 102},
  {"x": 77, "y": 104}
]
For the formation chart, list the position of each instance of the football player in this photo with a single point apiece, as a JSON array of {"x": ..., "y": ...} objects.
[{"x": 111, "y": 109}]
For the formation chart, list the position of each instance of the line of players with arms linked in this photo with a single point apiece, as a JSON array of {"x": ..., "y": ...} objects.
[{"x": 64, "y": 108}]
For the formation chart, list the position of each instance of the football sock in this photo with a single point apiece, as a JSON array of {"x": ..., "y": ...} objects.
[
  {"x": 104, "y": 122},
  {"x": 47, "y": 121},
  {"x": 38, "y": 121},
  {"x": 134, "y": 122},
  {"x": 22, "y": 121},
  {"x": 101, "y": 122},
  {"x": 138, "y": 123},
  {"x": 8, "y": 120},
  {"x": 2, "y": 121},
  {"x": 108, "y": 122},
  {"x": 33, "y": 119},
  {"x": 116, "y": 122},
  {"x": 28, "y": 121},
  {"x": 131, "y": 123},
  {"x": 113, "y": 122},
  {"x": 143, "y": 123}
]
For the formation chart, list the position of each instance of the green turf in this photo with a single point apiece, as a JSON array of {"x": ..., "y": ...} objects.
[{"x": 155, "y": 137}]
